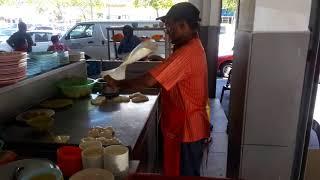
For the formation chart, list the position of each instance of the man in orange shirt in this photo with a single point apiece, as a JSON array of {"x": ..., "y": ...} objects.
[{"x": 184, "y": 93}]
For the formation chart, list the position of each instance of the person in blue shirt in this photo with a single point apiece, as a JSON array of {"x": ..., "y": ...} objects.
[{"x": 129, "y": 42}]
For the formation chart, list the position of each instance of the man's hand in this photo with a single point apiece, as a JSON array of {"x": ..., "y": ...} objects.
[{"x": 111, "y": 82}]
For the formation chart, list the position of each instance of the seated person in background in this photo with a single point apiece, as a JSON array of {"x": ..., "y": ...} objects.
[
  {"x": 21, "y": 44},
  {"x": 129, "y": 42},
  {"x": 57, "y": 46}
]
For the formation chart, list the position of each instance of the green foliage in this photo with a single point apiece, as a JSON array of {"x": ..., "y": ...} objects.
[
  {"x": 155, "y": 4},
  {"x": 7, "y": 2},
  {"x": 230, "y": 5}
]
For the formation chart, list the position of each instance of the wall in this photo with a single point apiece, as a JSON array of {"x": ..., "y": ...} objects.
[{"x": 274, "y": 15}]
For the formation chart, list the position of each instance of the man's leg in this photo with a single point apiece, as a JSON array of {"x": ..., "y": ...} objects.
[{"x": 191, "y": 158}]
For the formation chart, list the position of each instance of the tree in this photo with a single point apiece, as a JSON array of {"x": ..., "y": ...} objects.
[
  {"x": 84, "y": 4},
  {"x": 7, "y": 2},
  {"x": 230, "y": 5},
  {"x": 155, "y": 4},
  {"x": 54, "y": 6}
]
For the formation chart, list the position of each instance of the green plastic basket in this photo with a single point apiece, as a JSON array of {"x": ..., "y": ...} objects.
[{"x": 76, "y": 87}]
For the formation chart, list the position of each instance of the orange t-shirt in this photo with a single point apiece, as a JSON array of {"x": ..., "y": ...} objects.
[{"x": 184, "y": 96}]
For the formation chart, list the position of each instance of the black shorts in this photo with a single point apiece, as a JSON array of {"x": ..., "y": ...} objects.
[{"x": 191, "y": 157}]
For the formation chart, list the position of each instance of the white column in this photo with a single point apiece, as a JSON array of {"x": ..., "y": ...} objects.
[
  {"x": 267, "y": 80},
  {"x": 274, "y": 15},
  {"x": 209, "y": 11}
]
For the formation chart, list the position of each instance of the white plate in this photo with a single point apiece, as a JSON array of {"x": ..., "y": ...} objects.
[
  {"x": 93, "y": 174},
  {"x": 48, "y": 112}
]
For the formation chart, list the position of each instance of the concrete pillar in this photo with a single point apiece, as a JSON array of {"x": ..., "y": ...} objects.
[
  {"x": 209, "y": 35},
  {"x": 267, "y": 80}
]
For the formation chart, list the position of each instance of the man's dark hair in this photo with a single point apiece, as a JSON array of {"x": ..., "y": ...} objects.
[
  {"x": 194, "y": 25},
  {"x": 22, "y": 26},
  {"x": 127, "y": 30},
  {"x": 55, "y": 38}
]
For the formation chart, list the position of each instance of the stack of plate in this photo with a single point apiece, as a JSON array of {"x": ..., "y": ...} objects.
[{"x": 13, "y": 67}]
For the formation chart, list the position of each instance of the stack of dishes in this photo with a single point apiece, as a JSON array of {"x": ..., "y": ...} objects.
[{"x": 13, "y": 67}]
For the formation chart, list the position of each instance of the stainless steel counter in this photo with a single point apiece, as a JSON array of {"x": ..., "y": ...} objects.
[{"x": 127, "y": 119}]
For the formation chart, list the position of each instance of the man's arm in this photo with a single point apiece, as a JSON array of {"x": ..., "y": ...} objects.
[
  {"x": 30, "y": 42},
  {"x": 140, "y": 83},
  {"x": 10, "y": 41}
]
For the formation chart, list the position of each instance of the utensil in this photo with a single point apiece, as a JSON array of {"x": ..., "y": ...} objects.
[
  {"x": 33, "y": 168},
  {"x": 93, "y": 174},
  {"x": 116, "y": 159},
  {"x": 69, "y": 160},
  {"x": 8, "y": 171},
  {"x": 40, "y": 123},
  {"x": 92, "y": 157},
  {"x": 39, "y": 174}
]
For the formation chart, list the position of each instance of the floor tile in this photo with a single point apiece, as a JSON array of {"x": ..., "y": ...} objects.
[{"x": 216, "y": 165}]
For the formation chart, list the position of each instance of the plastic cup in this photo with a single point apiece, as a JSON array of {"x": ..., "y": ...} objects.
[{"x": 69, "y": 160}]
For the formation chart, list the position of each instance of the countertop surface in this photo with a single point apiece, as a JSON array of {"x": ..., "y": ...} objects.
[{"x": 127, "y": 119}]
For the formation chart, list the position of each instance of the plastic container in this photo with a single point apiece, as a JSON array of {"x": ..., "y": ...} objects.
[
  {"x": 75, "y": 56},
  {"x": 47, "y": 60},
  {"x": 69, "y": 160},
  {"x": 63, "y": 58},
  {"x": 76, "y": 87}
]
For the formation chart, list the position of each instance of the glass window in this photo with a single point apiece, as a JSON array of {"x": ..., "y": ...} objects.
[
  {"x": 82, "y": 31},
  {"x": 42, "y": 37}
]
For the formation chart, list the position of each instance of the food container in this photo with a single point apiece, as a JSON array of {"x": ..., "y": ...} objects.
[
  {"x": 117, "y": 37},
  {"x": 41, "y": 123},
  {"x": 63, "y": 58},
  {"x": 76, "y": 87},
  {"x": 40, "y": 173},
  {"x": 116, "y": 160},
  {"x": 76, "y": 56},
  {"x": 35, "y": 169},
  {"x": 47, "y": 60},
  {"x": 34, "y": 113},
  {"x": 93, "y": 174},
  {"x": 90, "y": 144}
]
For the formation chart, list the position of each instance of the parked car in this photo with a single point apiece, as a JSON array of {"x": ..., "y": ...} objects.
[
  {"x": 225, "y": 65},
  {"x": 46, "y": 28},
  {"x": 41, "y": 39},
  {"x": 91, "y": 37},
  {"x": 226, "y": 44},
  {"x": 5, "y": 34}
]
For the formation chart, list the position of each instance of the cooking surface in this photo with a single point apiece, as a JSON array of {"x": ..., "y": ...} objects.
[{"x": 127, "y": 119}]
